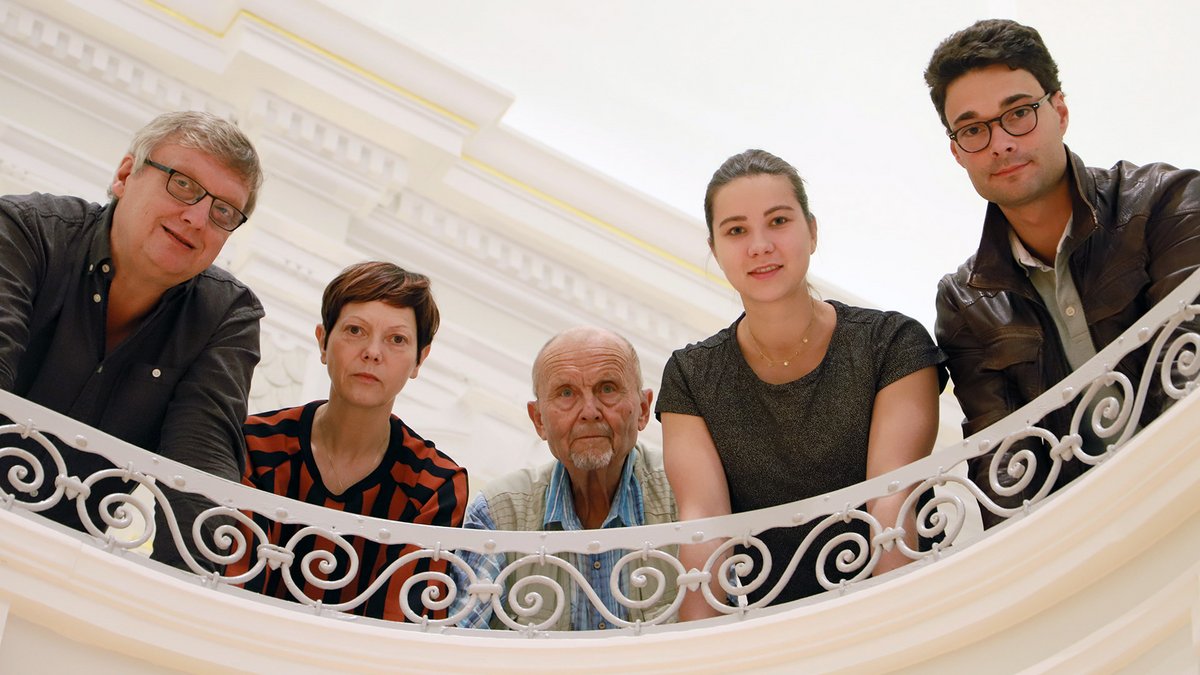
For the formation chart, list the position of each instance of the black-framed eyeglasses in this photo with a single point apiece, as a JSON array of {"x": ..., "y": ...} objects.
[
  {"x": 185, "y": 188},
  {"x": 1016, "y": 121}
]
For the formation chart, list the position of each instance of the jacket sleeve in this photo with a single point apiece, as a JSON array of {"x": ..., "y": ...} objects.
[
  {"x": 203, "y": 424},
  {"x": 1173, "y": 233},
  {"x": 21, "y": 265},
  {"x": 981, "y": 392}
]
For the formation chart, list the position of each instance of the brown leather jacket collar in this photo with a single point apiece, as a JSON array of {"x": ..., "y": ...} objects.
[{"x": 994, "y": 267}]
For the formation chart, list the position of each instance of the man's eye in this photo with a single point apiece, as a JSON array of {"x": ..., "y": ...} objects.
[
  {"x": 184, "y": 183},
  {"x": 971, "y": 131},
  {"x": 565, "y": 393},
  {"x": 223, "y": 211},
  {"x": 1018, "y": 113}
]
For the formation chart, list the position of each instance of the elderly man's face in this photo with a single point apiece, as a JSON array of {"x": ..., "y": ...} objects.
[{"x": 589, "y": 409}]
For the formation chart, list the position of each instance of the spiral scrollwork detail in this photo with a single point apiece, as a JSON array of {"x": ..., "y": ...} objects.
[{"x": 1019, "y": 460}]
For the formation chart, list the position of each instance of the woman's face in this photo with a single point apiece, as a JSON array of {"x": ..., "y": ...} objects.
[
  {"x": 761, "y": 238},
  {"x": 371, "y": 353}
]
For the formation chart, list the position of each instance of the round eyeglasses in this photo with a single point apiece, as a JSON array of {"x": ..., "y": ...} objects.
[
  {"x": 185, "y": 188},
  {"x": 1016, "y": 121}
]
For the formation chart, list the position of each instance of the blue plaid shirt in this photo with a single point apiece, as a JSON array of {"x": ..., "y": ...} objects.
[{"x": 627, "y": 511}]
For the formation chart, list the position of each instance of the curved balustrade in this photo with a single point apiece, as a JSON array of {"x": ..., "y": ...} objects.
[{"x": 651, "y": 560}]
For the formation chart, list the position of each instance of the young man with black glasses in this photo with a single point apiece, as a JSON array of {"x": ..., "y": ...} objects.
[
  {"x": 115, "y": 315},
  {"x": 1070, "y": 257}
]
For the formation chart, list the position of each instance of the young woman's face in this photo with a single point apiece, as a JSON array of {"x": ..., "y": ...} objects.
[
  {"x": 371, "y": 353},
  {"x": 761, "y": 237}
]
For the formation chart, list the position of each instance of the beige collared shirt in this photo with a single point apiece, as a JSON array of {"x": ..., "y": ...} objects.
[{"x": 1057, "y": 290}]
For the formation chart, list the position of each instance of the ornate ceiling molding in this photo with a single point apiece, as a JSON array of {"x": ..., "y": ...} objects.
[
  {"x": 373, "y": 149},
  {"x": 99, "y": 68}
]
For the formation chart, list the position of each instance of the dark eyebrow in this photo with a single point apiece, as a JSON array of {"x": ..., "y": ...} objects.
[
  {"x": 773, "y": 209},
  {"x": 729, "y": 219},
  {"x": 1005, "y": 104}
]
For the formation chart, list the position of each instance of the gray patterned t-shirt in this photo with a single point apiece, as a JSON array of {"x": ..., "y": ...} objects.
[{"x": 784, "y": 442}]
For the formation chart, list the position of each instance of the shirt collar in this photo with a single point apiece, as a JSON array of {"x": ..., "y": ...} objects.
[
  {"x": 627, "y": 510},
  {"x": 1027, "y": 259},
  {"x": 100, "y": 248}
]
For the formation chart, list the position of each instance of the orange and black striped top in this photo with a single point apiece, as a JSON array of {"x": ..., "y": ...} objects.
[{"x": 415, "y": 483}]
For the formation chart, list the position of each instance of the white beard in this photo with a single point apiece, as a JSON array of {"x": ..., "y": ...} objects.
[{"x": 592, "y": 461}]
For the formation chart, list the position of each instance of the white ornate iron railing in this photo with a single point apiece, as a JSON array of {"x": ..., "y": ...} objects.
[{"x": 1106, "y": 404}]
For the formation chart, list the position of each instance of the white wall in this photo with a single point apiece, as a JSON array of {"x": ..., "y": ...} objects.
[{"x": 657, "y": 94}]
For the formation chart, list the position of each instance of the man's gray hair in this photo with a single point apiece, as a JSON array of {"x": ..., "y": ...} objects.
[{"x": 207, "y": 133}]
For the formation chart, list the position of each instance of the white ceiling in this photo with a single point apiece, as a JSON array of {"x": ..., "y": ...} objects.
[{"x": 657, "y": 93}]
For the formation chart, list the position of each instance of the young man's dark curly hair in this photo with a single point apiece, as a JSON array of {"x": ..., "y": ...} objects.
[{"x": 986, "y": 43}]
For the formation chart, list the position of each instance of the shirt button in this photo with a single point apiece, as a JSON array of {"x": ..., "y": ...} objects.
[
  {"x": 1070, "y": 311},
  {"x": 601, "y": 625},
  {"x": 100, "y": 369},
  {"x": 156, "y": 372},
  {"x": 96, "y": 297},
  {"x": 596, "y": 565},
  {"x": 104, "y": 268},
  {"x": 91, "y": 267}
]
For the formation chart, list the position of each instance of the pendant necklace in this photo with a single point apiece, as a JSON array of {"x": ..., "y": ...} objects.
[{"x": 803, "y": 339}]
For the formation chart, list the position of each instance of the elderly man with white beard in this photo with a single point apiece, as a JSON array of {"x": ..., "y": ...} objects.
[{"x": 589, "y": 405}]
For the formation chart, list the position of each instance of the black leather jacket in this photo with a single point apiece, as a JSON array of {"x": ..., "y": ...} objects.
[{"x": 1136, "y": 233}]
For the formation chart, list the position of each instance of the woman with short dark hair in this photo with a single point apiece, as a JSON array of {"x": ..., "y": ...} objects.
[{"x": 350, "y": 453}]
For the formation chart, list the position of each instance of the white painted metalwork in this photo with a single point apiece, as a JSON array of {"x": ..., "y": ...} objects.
[{"x": 1171, "y": 363}]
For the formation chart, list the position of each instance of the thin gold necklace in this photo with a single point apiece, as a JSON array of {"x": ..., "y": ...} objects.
[
  {"x": 337, "y": 475},
  {"x": 332, "y": 462},
  {"x": 803, "y": 338},
  {"x": 334, "y": 473}
]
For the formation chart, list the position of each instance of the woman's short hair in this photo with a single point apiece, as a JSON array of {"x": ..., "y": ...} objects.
[{"x": 386, "y": 283}]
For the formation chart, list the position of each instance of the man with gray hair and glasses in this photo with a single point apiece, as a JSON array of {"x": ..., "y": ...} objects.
[
  {"x": 115, "y": 315},
  {"x": 1071, "y": 256}
]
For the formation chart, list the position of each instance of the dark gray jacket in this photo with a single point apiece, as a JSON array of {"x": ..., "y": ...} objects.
[{"x": 176, "y": 386}]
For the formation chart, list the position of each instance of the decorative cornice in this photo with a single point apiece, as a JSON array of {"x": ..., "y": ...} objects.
[
  {"x": 349, "y": 70},
  {"x": 53, "y": 41},
  {"x": 366, "y": 159},
  {"x": 346, "y": 43},
  {"x": 212, "y": 40},
  {"x": 108, "y": 68},
  {"x": 548, "y": 286}
]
